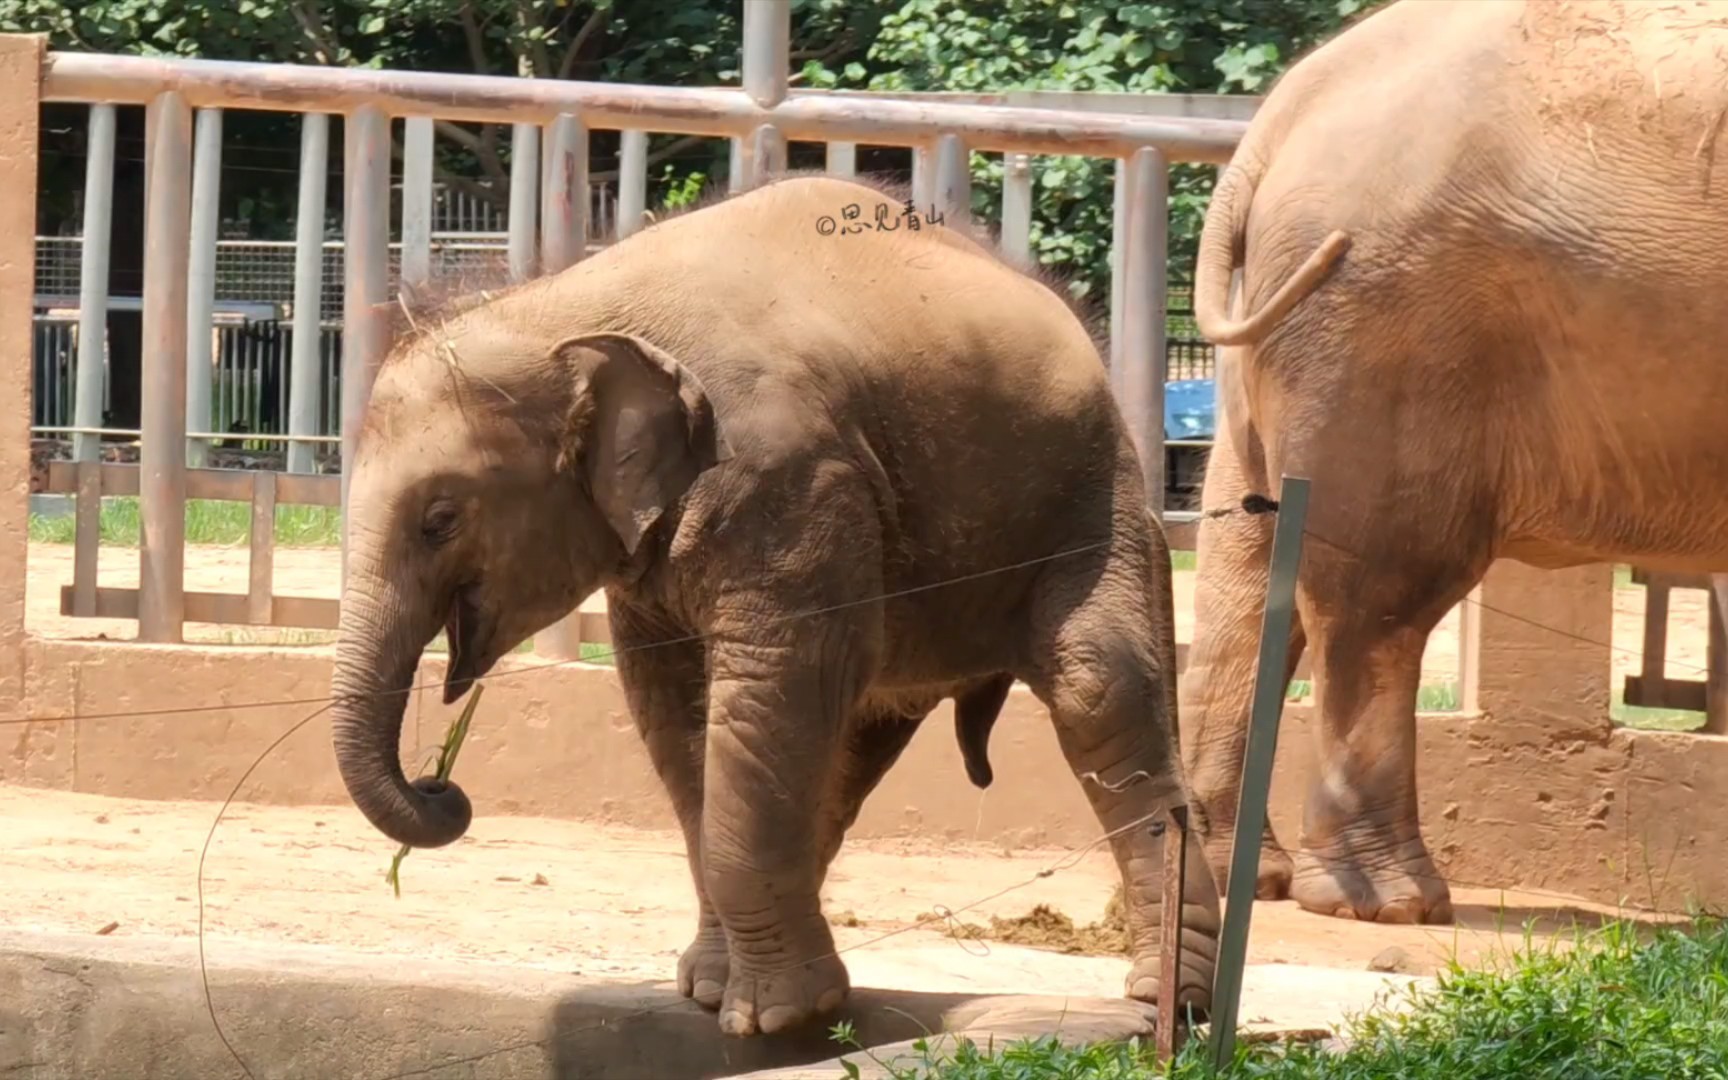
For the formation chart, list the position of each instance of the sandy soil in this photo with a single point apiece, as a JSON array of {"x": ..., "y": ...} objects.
[
  {"x": 612, "y": 903},
  {"x": 315, "y": 572}
]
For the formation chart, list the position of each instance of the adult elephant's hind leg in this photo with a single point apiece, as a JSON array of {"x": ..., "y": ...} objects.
[
  {"x": 1100, "y": 669},
  {"x": 1362, "y": 855},
  {"x": 1218, "y": 685}
]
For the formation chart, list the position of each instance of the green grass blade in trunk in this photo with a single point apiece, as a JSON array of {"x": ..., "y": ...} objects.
[{"x": 453, "y": 739}]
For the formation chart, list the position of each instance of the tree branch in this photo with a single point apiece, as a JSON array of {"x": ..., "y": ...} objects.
[
  {"x": 476, "y": 41},
  {"x": 588, "y": 30},
  {"x": 536, "y": 61},
  {"x": 311, "y": 22}
]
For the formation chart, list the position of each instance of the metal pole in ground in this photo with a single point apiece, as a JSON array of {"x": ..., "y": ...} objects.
[
  {"x": 162, "y": 455},
  {"x": 1264, "y": 717},
  {"x": 1137, "y": 376},
  {"x": 305, "y": 381},
  {"x": 1016, "y": 237},
  {"x": 767, "y": 51},
  {"x": 201, "y": 284},
  {"x": 953, "y": 180},
  {"x": 93, "y": 281},
  {"x": 524, "y": 222},
  {"x": 563, "y": 243},
  {"x": 417, "y": 143},
  {"x": 366, "y": 250},
  {"x": 632, "y": 182}
]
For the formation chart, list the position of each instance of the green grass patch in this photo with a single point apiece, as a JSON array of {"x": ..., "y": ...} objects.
[
  {"x": 1621, "y": 1003},
  {"x": 1430, "y": 697},
  {"x": 208, "y": 521},
  {"x": 1182, "y": 560}
]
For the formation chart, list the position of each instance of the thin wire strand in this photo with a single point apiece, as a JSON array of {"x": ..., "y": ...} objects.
[{"x": 610, "y": 653}]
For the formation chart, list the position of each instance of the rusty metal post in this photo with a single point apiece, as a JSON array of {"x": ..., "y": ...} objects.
[
  {"x": 366, "y": 249},
  {"x": 1137, "y": 377},
  {"x": 564, "y": 240},
  {"x": 524, "y": 200},
  {"x": 632, "y": 182},
  {"x": 1170, "y": 1027},
  {"x": 162, "y": 456},
  {"x": 564, "y": 199},
  {"x": 201, "y": 283},
  {"x": 93, "y": 281},
  {"x": 305, "y": 382},
  {"x": 1016, "y": 239},
  {"x": 954, "y": 180},
  {"x": 767, "y": 52}
]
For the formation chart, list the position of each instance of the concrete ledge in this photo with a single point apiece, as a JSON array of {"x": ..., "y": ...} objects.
[{"x": 81, "y": 1007}]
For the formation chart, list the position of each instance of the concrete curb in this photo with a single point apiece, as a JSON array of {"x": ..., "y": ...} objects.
[{"x": 83, "y": 1007}]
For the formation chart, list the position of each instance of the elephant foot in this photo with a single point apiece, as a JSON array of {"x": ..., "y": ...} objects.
[
  {"x": 1404, "y": 887},
  {"x": 784, "y": 999},
  {"x": 703, "y": 969},
  {"x": 1194, "y": 977},
  {"x": 1276, "y": 870}
]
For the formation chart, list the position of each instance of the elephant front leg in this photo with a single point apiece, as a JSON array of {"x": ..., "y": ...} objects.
[
  {"x": 775, "y": 728},
  {"x": 666, "y": 687}
]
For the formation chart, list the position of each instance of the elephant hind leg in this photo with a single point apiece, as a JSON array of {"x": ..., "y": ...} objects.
[
  {"x": 875, "y": 738},
  {"x": 1218, "y": 685},
  {"x": 1362, "y": 855},
  {"x": 1100, "y": 666}
]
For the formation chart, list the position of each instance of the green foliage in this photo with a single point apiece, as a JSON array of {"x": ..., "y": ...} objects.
[
  {"x": 208, "y": 521},
  {"x": 1621, "y": 1003}
]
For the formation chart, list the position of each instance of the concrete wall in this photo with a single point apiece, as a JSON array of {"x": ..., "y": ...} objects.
[{"x": 1524, "y": 798}]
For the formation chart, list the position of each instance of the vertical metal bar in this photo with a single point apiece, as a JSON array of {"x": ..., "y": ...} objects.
[
  {"x": 767, "y": 52},
  {"x": 260, "y": 603},
  {"x": 1142, "y": 234},
  {"x": 524, "y": 225},
  {"x": 1170, "y": 927},
  {"x": 1118, "y": 281},
  {"x": 923, "y": 178},
  {"x": 1267, "y": 711},
  {"x": 564, "y": 239},
  {"x": 162, "y": 457},
  {"x": 1017, "y": 206},
  {"x": 769, "y": 156},
  {"x": 93, "y": 280},
  {"x": 201, "y": 282},
  {"x": 564, "y": 206},
  {"x": 365, "y": 325},
  {"x": 633, "y": 180},
  {"x": 417, "y": 144},
  {"x": 843, "y": 159},
  {"x": 953, "y": 180},
  {"x": 1469, "y": 644},
  {"x": 738, "y": 167},
  {"x": 305, "y": 381},
  {"x": 86, "y": 538}
]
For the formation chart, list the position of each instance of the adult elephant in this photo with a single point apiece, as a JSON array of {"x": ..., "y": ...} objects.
[
  {"x": 1484, "y": 245},
  {"x": 828, "y": 475}
]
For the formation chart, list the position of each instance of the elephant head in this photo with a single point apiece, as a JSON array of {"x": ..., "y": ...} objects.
[{"x": 502, "y": 476}]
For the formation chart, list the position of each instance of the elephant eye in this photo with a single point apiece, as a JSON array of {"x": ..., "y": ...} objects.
[{"x": 439, "y": 523}]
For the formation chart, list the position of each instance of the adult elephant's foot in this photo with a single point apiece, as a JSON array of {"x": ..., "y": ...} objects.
[
  {"x": 703, "y": 969},
  {"x": 781, "y": 997},
  {"x": 1389, "y": 883}
]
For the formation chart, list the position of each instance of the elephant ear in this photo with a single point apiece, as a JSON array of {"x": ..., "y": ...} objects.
[{"x": 641, "y": 429}]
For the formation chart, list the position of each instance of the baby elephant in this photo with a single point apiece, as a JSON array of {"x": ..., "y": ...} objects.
[{"x": 830, "y": 469}]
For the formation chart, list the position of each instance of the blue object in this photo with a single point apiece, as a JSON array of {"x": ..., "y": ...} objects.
[{"x": 1190, "y": 409}]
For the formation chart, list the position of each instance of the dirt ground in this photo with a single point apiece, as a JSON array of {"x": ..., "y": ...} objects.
[
  {"x": 616, "y": 904},
  {"x": 316, "y": 571}
]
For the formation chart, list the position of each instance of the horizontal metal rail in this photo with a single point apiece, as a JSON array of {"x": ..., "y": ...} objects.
[{"x": 721, "y": 113}]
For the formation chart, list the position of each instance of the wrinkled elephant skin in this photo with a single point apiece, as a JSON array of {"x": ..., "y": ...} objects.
[
  {"x": 795, "y": 461},
  {"x": 1483, "y": 248}
]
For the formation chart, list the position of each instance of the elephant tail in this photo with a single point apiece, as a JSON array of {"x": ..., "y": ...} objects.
[
  {"x": 975, "y": 711},
  {"x": 1221, "y": 243}
]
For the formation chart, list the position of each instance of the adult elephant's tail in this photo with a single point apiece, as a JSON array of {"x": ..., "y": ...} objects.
[{"x": 1222, "y": 242}]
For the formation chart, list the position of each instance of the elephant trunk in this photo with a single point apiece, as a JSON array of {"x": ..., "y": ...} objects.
[{"x": 382, "y": 637}]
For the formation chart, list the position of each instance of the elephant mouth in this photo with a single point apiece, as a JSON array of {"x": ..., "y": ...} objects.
[{"x": 462, "y": 629}]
